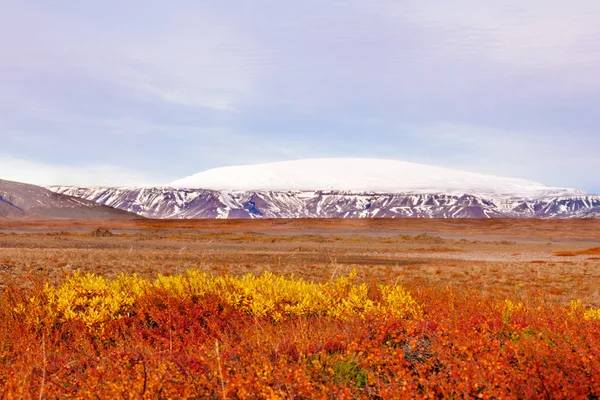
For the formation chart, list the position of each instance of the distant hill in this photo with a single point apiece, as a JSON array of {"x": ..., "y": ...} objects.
[
  {"x": 173, "y": 203},
  {"x": 21, "y": 200},
  {"x": 344, "y": 188}
]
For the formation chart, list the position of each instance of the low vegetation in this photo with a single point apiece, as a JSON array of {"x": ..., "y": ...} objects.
[
  {"x": 210, "y": 335},
  {"x": 587, "y": 252}
]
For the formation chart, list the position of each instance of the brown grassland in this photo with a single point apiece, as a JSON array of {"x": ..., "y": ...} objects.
[{"x": 334, "y": 309}]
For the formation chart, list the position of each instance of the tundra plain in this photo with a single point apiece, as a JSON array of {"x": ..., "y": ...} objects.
[
  {"x": 557, "y": 257},
  {"x": 298, "y": 309}
]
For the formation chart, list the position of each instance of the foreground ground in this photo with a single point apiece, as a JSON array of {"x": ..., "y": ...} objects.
[
  {"x": 499, "y": 256},
  {"x": 502, "y": 308}
]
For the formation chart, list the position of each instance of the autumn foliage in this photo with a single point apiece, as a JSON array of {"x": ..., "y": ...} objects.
[
  {"x": 587, "y": 252},
  {"x": 199, "y": 335}
]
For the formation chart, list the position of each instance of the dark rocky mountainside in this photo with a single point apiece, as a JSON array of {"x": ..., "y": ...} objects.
[{"x": 20, "y": 200}]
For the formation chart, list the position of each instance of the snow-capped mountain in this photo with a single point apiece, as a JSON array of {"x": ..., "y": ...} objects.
[
  {"x": 200, "y": 203},
  {"x": 344, "y": 188},
  {"x": 364, "y": 175}
]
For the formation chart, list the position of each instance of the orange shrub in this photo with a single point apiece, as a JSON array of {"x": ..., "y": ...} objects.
[
  {"x": 587, "y": 252},
  {"x": 168, "y": 345}
]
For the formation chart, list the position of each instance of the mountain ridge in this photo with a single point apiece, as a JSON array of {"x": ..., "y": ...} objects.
[
  {"x": 21, "y": 200},
  {"x": 166, "y": 202}
]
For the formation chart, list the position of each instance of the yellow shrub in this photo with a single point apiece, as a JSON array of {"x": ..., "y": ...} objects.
[
  {"x": 592, "y": 313},
  {"x": 576, "y": 308},
  {"x": 509, "y": 308},
  {"x": 398, "y": 302},
  {"x": 96, "y": 300},
  {"x": 93, "y": 299}
]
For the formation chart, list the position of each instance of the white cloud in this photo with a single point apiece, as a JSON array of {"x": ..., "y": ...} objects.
[{"x": 39, "y": 173}]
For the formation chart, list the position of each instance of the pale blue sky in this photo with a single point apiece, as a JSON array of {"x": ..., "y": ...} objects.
[{"x": 126, "y": 92}]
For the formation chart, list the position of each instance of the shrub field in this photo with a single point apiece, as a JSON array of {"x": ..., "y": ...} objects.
[{"x": 211, "y": 335}]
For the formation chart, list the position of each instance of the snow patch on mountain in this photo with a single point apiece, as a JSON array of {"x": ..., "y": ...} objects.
[{"x": 366, "y": 175}]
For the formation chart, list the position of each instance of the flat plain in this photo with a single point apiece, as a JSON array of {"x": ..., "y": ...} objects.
[
  {"x": 558, "y": 257},
  {"x": 300, "y": 309}
]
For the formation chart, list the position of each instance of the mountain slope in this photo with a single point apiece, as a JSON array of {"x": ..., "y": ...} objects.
[
  {"x": 30, "y": 201},
  {"x": 199, "y": 203},
  {"x": 344, "y": 188},
  {"x": 365, "y": 175}
]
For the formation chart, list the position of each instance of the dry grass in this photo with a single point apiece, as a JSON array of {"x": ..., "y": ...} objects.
[
  {"x": 587, "y": 252},
  {"x": 511, "y": 228},
  {"x": 485, "y": 263}
]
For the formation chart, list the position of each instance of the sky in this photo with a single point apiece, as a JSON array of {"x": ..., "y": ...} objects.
[{"x": 147, "y": 92}]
